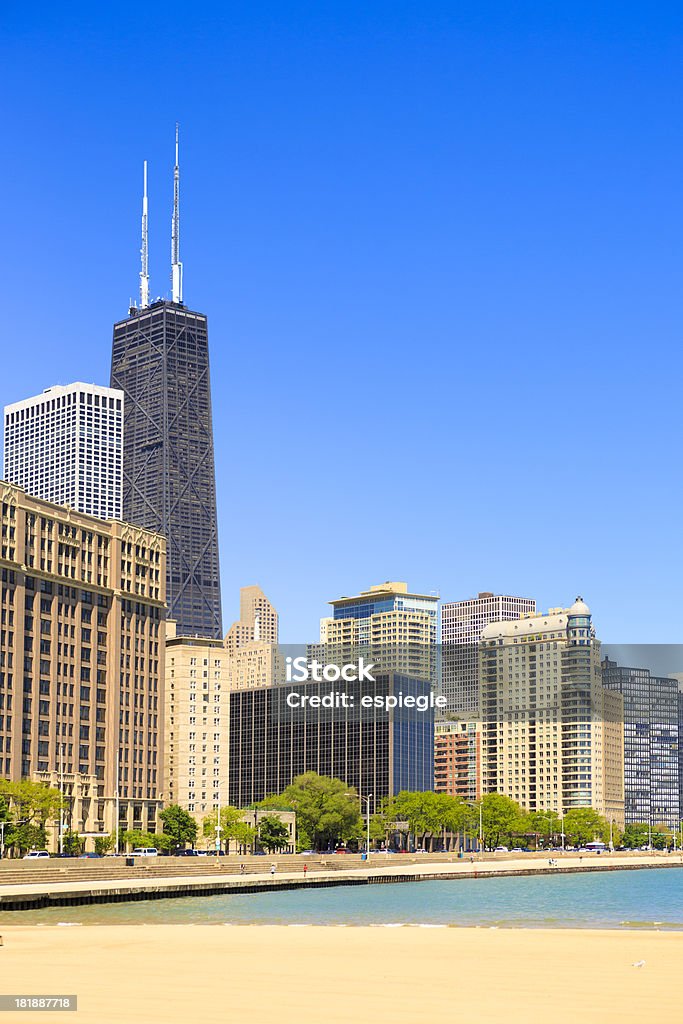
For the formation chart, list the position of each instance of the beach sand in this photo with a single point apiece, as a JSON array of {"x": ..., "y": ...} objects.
[{"x": 314, "y": 975}]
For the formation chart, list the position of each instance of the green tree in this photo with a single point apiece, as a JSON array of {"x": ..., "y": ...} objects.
[
  {"x": 105, "y": 844},
  {"x": 273, "y": 834},
  {"x": 584, "y": 825},
  {"x": 273, "y": 803},
  {"x": 72, "y": 844},
  {"x": 32, "y": 805},
  {"x": 427, "y": 815},
  {"x": 178, "y": 825},
  {"x": 233, "y": 826},
  {"x": 327, "y": 811},
  {"x": 501, "y": 818},
  {"x": 136, "y": 837},
  {"x": 545, "y": 827},
  {"x": 244, "y": 835},
  {"x": 662, "y": 836}
]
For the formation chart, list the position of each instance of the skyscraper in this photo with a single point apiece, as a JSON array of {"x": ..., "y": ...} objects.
[
  {"x": 160, "y": 360},
  {"x": 461, "y": 626},
  {"x": 651, "y": 743},
  {"x": 552, "y": 734},
  {"x": 396, "y": 629},
  {"x": 258, "y": 621},
  {"x": 65, "y": 446}
]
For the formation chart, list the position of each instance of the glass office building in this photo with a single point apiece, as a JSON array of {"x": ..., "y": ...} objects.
[
  {"x": 379, "y": 752},
  {"x": 651, "y": 743}
]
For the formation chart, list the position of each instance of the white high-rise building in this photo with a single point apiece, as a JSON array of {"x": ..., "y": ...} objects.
[
  {"x": 65, "y": 446},
  {"x": 462, "y": 623}
]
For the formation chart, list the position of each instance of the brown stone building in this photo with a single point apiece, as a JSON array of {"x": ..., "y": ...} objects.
[{"x": 82, "y": 660}]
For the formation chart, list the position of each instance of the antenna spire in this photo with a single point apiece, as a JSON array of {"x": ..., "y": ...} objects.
[
  {"x": 144, "y": 252},
  {"x": 176, "y": 265}
]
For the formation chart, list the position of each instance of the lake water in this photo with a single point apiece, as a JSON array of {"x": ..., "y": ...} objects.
[{"x": 613, "y": 899}]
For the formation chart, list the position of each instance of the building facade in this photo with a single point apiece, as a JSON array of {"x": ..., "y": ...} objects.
[
  {"x": 552, "y": 734},
  {"x": 392, "y": 627},
  {"x": 251, "y": 645},
  {"x": 196, "y": 725},
  {"x": 66, "y": 446},
  {"x": 258, "y": 621},
  {"x": 651, "y": 744},
  {"x": 379, "y": 752},
  {"x": 457, "y": 759},
  {"x": 82, "y": 660},
  {"x": 160, "y": 360},
  {"x": 462, "y": 623}
]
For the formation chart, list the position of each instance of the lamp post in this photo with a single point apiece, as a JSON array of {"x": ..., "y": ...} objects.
[{"x": 367, "y": 799}]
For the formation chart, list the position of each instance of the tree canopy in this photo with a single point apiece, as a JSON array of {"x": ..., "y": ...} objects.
[
  {"x": 178, "y": 825},
  {"x": 28, "y": 807},
  {"x": 327, "y": 810},
  {"x": 426, "y": 815},
  {"x": 584, "y": 825},
  {"x": 273, "y": 834}
]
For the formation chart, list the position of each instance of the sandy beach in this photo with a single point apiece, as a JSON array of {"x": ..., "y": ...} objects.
[{"x": 311, "y": 975}]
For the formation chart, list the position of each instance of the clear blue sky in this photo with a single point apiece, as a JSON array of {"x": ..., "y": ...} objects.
[{"x": 439, "y": 245}]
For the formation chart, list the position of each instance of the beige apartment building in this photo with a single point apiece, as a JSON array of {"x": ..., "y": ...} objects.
[
  {"x": 552, "y": 734},
  {"x": 254, "y": 658},
  {"x": 82, "y": 660},
  {"x": 394, "y": 628},
  {"x": 197, "y": 719},
  {"x": 200, "y": 672},
  {"x": 258, "y": 621}
]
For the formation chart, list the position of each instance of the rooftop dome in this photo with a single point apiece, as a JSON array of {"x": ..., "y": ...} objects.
[{"x": 579, "y": 608}]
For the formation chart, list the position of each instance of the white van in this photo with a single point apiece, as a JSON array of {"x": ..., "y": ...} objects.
[{"x": 145, "y": 851}]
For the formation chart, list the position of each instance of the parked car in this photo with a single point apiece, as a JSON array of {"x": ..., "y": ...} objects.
[
  {"x": 145, "y": 851},
  {"x": 501, "y": 849},
  {"x": 36, "y": 855},
  {"x": 90, "y": 856},
  {"x": 187, "y": 853},
  {"x": 342, "y": 849}
]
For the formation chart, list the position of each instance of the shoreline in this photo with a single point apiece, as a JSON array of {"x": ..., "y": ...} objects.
[
  {"x": 313, "y": 973},
  {"x": 148, "y": 882}
]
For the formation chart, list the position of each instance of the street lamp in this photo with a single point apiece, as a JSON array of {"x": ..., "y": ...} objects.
[{"x": 367, "y": 799}]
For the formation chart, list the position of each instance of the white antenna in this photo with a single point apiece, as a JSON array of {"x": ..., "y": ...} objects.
[
  {"x": 176, "y": 265},
  {"x": 144, "y": 252}
]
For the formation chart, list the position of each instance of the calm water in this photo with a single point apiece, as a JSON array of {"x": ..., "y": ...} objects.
[{"x": 611, "y": 899}]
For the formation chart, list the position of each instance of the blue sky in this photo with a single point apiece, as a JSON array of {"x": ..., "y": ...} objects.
[{"x": 439, "y": 245}]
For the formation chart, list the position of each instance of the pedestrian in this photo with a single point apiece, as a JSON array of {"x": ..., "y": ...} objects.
[
  {"x": 305, "y": 870},
  {"x": 272, "y": 869},
  {"x": 242, "y": 869}
]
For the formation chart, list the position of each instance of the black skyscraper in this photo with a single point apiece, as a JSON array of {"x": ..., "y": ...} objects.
[{"x": 160, "y": 360}]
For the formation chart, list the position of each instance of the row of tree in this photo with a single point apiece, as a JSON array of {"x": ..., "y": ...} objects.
[
  {"x": 328, "y": 815},
  {"x": 28, "y": 809}
]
